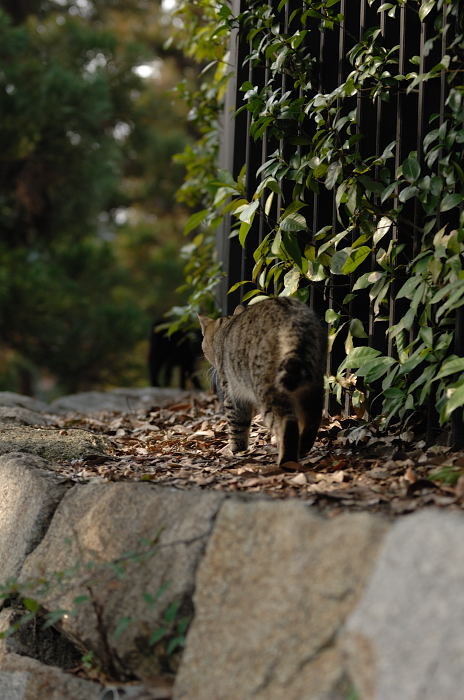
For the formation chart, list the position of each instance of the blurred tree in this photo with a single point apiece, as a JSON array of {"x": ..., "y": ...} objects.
[{"x": 89, "y": 227}]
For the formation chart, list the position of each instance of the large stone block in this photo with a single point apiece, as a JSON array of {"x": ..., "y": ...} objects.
[
  {"x": 22, "y": 678},
  {"x": 132, "y": 549},
  {"x": 17, "y": 415},
  {"x": 9, "y": 398},
  {"x": 29, "y": 494},
  {"x": 406, "y": 637},
  {"x": 118, "y": 400},
  {"x": 273, "y": 589},
  {"x": 51, "y": 443}
]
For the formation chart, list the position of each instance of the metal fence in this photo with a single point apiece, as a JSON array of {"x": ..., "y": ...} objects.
[{"x": 403, "y": 119}]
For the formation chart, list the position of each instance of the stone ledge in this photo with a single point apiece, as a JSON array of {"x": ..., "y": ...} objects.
[{"x": 287, "y": 603}]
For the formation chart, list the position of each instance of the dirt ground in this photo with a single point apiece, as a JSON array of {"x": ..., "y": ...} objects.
[{"x": 351, "y": 467}]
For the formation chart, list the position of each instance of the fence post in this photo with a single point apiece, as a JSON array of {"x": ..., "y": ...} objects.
[{"x": 229, "y": 251}]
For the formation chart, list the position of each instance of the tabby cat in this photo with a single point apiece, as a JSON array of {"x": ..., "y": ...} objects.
[{"x": 270, "y": 357}]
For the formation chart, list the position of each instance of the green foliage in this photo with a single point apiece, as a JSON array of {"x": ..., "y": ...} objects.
[
  {"x": 371, "y": 194},
  {"x": 68, "y": 306},
  {"x": 59, "y": 157},
  {"x": 203, "y": 39},
  {"x": 448, "y": 474},
  {"x": 353, "y": 694},
  {"x": 89, "y": 225}
]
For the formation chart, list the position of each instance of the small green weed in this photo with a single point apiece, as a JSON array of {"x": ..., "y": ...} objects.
[
  {"x": 24, "y": 598},
  {"x": 448, "y": 474}
]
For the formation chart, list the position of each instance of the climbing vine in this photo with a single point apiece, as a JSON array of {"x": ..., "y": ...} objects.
[{"x": 373, "y": 192}]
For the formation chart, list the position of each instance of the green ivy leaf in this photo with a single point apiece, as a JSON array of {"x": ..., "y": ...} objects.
[
  {"x": 195, "y": 220},
  {"x": 316, "y": 272},
  {"x": 357, "y": 329},
  {"x": 455, "y": 399},
  {"x": 382, "y": 229},
  {"x": 411, "y": 169},
  {"x": 338, "y": 260},
  {"x": 293, "y": 222},
  {"x": 388, "y": 191},
  {"x": 296, "y": 205},
  {"x": 238, "y": 284},
  {"x": 331, "y": 177},
  {"x": 453, "y": 365},
  {"x": 291, "y": 282},
  {"x": 408, "y": 193},
  {"x": 243, "y": 232},
  {"x": 358, "y": 356},
  {"x": 409, "y": 287},
  {"x": 450, "y": 201},
  {"x": 247, "y": 214},
  {"x": 362, "y": 282},
  {"x": 251, "y": 294},
  {"x": 331, "y": 316},
  {"x": 354, "y": 260},
  {"x": 425, "y": 8},
  {"x": 372, "y": 370},
  {"x": 292, "y": 248}
]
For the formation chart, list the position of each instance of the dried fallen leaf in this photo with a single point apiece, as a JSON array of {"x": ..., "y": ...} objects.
[
  {"x": 338, "y": 476},
  {"x": 410, "y": 475},
  {"x": 204, "y": 433},
  {"x": 460, "y": 487},
  {"x": 185, "y": 445},
  {"x": 298, "y": 480},
  {"x": 291, "y": 466}
]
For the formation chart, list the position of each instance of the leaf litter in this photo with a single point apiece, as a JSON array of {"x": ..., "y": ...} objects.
[{"x": 352, "y": 466}]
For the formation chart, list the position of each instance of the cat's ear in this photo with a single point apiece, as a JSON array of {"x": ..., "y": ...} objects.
[
  {"x": 239, "y": 310},
  {"x": 204, "y": 322}
]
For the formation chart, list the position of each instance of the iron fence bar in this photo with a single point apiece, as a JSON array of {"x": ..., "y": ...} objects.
[
  {"x": 332, "y": 71},
  {"x": 253, "y": 161},
  {"x": 228, "y": 250}
]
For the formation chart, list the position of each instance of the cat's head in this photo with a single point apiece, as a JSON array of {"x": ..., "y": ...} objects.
[{"x": 210, "y": 328}]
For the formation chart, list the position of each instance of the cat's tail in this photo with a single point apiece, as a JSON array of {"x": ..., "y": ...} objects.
[
  {"x": 291, "y": 373},
  {"x": 294, "y": 372},
  {"x": 305, "y": 388}
]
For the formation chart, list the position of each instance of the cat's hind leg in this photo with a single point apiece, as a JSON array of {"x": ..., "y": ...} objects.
[
  {"x": 288, "y": 440},
  {"x": 280, "y": 418},
  {"x": 309, "y": 405},
  {"x": 238, "y": 415}
]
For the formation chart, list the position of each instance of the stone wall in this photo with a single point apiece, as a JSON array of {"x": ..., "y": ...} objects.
[{"x": 284, "y": 603}]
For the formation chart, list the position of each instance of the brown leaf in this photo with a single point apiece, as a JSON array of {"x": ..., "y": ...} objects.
[
  {"x": 204, "y": 433},
  {"x": 185, "y": 444},
  {"x": 182, "y": 406},
  {"x": 249, "y": 483},
  {"x": 298, "y": 480},
  {"x": 460, "y": 486},
  {"x": 291, "y": 466},
  {"x": 339, "y": 476},
  {"x": 410, "y": 475}
]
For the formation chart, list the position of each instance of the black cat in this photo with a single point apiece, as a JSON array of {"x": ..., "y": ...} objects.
[{"x": 167, "y": 353}]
